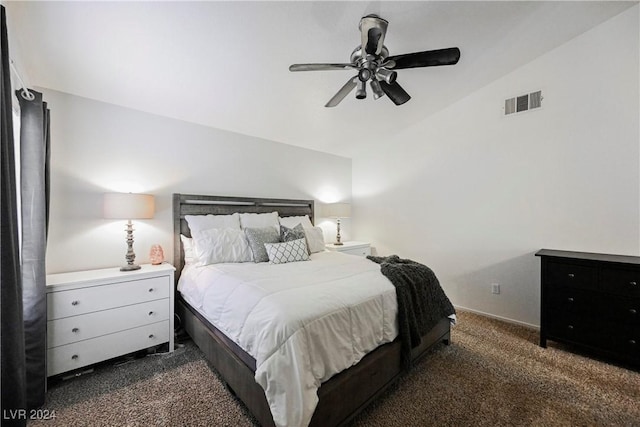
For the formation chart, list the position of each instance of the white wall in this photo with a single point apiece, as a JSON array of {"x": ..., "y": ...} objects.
[
  {"x": 475, "y": 195},
  {"x": 99, "y": 147}
]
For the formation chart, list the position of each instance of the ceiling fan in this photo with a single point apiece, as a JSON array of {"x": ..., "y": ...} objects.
[{"x": 372, "y": 62}]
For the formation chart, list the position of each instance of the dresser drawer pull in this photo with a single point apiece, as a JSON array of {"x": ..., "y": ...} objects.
[
  {"x": 633, "y": 283},
  {"x": 632, "y": 342},
  {"x": 570, "y": 327},
  {"x": 75, "y": 330},
  {"x": 571, "y": 275},
  {"x": 150, "y": 289},
  {"x": 151, "y": 336},
  {"x": 74, "y": 357},
  {"x": 75, "y": 302},
  {"x": 633, "y": 311},
  {"x": 151, "y": 313},
  {"x": 570, "y": 299}
]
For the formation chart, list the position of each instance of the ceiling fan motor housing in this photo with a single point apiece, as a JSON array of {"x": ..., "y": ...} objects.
[{"x": 373, "y": 64}]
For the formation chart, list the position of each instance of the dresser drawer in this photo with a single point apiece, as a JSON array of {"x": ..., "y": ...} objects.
[
  {"x": 95, "y": 298},
  {"x": 73, "y": 356},
  {"x": 621, "y": 281},
  {"x": 575, "y": 328},
  {"x": 619, "y": 339},
  {"x": 625, "y": 312},
  {"x": 86, "y": 326},
  {"x": 597, "y": 305},
  {"x": 572, "y": 275},
  {"x": 571, "y": 300}
]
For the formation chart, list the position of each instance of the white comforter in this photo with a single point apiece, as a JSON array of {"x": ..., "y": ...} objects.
[{"x": 303, "y": 322}]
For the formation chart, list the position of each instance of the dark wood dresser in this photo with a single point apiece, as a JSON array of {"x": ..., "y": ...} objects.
[{"x": 591, "y": 300}]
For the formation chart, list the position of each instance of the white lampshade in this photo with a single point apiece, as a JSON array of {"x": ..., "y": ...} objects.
[
  {"x": 128, "y": 206},
  {"x": 337, "y": 210}
]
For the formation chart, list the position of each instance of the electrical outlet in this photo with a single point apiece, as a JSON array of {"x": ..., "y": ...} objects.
[{"x": 495, "y": 288}]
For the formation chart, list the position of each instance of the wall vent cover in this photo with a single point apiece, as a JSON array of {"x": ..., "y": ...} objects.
[{"x": 523, "y": 103}]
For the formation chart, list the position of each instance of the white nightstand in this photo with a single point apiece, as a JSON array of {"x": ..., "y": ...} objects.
[
  {"x": 96, "y": 315},
  {"x": 353, "y": 248}
]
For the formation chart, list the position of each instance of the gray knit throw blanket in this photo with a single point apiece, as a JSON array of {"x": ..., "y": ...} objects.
[{"x": 421, "y": 300}]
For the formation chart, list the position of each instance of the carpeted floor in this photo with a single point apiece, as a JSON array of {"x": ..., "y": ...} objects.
[{"x": 492, "y": 374}]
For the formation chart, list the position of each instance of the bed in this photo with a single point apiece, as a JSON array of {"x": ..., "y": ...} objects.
[{"x": 344, "y": 394}]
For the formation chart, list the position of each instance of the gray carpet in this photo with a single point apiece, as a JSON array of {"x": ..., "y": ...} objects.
[{"x": 492, "y": 374}]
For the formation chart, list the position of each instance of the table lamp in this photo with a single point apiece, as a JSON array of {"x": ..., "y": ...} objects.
[
  {"x": 337, "y": 211},
  {"x": 128, "y": 206}
]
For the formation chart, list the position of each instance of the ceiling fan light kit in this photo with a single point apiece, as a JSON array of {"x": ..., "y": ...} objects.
[
  {"x": 377, "y": 89},
  {"x": 374, "y": 65}
]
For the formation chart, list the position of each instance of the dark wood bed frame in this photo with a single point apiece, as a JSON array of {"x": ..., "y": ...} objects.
[{"x": 341, "y": 397}]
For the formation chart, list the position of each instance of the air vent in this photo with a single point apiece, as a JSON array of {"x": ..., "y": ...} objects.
[
  {"x": 523, "y": 103},
  {"x": 509, "y": 106},
  {"x": 535, "y": 99}
]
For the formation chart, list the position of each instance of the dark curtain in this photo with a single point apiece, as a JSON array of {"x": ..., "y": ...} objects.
[
  {"x": 34, "y": 182},
  {"x": 12, "y": 353}
]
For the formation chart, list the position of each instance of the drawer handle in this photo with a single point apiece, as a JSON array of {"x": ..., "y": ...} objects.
[
  {"x": 75, "y": 302},
  {"x": 74, "y": 357},
  {"x": 570, "y": 327},
  {"x": 633, "y": 311},
  {"x": 633, "y": 283},
  {"x": 571, "y": 275},
  {"x": 150, "y": 289},
  {"x": 570, "y": 299},
  {"x": 151, "y": 313},
  {"x": 75, "y": 330},
  {"x": 632, "y": 342},
  {"x": 151, "y": 336}
]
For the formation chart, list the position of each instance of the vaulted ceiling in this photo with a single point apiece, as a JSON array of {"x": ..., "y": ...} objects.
[{"x": 225, "y": 64}]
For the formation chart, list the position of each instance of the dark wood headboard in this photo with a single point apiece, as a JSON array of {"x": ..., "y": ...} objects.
[{"x": 192, "y": 204}]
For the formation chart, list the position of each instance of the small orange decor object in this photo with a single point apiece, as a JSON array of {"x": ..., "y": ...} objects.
[{"x": 156, "y": 255}]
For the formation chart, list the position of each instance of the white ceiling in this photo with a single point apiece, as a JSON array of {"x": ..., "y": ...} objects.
[{"x": 225, "y": 64}]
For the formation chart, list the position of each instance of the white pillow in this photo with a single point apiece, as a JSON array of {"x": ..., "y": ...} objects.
[
  {"x": 292, "y": 221},
  {"x": 187, "y": 245},
  {"x": 199, "y": 223},
  {"x": 255, "y": 220},
  {"x": 291, "y": 251},
  {"x": 218, "y": 245},
  {"x": 315, "y": 239}
]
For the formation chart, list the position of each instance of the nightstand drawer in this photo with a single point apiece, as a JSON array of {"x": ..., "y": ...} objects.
[
  {"x": 83, "y": 353},
  {"x": 351, "y": 248},
  {"x": 92, "y": 325},
  {"x": 95, "y": 298},
  {"x": 358, "y": 251}
]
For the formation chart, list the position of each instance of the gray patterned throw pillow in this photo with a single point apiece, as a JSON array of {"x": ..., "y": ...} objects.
[
  {"x": 257, "y": 238},
  {"x": 287, "y": 234},
  {"x": 294, "y": 250}
]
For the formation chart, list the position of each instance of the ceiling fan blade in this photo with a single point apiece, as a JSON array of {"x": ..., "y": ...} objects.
[
  {"x": 373, "y": 30},
  {"x": 344, "y": 91},
  {"x": 428, "y": 58},
  {"x": 320, "y": 67},
  {"x": 395, "y": 92}
]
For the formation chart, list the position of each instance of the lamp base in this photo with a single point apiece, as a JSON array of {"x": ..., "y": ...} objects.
[
  {"x": 338, "y": 241},
  {"x": 131, "y": 256}
]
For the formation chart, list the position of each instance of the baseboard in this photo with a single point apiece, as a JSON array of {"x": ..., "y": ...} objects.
[{"x": 504, "y": 319}]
